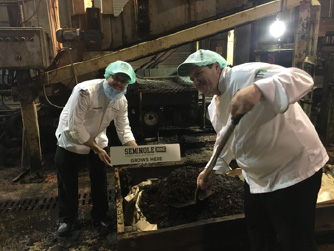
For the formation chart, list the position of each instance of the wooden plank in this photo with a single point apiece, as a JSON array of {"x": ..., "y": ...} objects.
[
  {"x": 315, "y": 21},
  {"x": 129, "y": 23},
  {"x": 78, "y": 7},
  {"x": 166, "y": 42},
  {"x": 324, "y": 217},
  {"x": 303, "y": 46},
  {"x": 224, "y": 233},
  {"x": 119, "y": 203},
  {"x": 52, "y": 8},
  {"x": 164, "y": 17},
  {"x": 106, "y": 29},
  {"x": 30, "y": 123},
  {"x": 107, "y": 6},
  {"x": 302, "y": 35}
]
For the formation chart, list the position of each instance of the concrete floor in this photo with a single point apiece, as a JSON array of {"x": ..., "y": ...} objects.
[{"x": 29, "y": 215}]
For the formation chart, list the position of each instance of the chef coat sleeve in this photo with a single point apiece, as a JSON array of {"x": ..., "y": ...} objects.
[
  {"x": 122, "y": 124},
  {"x": 284, "y": 88},
  {"x": 79, "y": 104}
]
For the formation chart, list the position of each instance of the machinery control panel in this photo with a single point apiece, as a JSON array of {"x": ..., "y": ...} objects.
[{"x": 24, "y": 48}]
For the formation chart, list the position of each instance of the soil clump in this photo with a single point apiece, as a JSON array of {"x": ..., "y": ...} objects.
[{"x": 179, "y": 187}]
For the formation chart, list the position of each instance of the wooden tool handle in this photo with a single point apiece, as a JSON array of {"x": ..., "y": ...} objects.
[{"x": 229, "y": 129}]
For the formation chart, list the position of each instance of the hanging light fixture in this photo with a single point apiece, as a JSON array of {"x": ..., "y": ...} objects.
[{"x": 277, "y": 28}]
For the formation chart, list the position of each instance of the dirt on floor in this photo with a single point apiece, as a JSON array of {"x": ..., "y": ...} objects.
[
  {"x": 29, "y": 213},
  {"x": 160, "y": 201}
]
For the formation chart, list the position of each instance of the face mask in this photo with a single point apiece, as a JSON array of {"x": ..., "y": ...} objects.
[{"x": 112, "y": 93}]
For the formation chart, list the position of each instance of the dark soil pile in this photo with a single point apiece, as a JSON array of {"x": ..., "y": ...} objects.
[
  {"x": 179, "y": 187},
  {"x": 161, "y": 84}
]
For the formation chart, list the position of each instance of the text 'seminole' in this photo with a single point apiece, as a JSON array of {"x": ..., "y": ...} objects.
[{"x": 152, "y": 149}]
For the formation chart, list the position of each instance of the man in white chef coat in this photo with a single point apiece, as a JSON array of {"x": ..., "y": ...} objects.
[
  {"x": 82, "y": 141},
  {"x": 275, "y": 144}
]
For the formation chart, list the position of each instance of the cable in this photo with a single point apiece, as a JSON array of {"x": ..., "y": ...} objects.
[
  {"x": 163, "y": 58},
  {"x": 72, "y": 66},
  {"x": 155, "y": 60},
  {"x": 47, "y": 99}
]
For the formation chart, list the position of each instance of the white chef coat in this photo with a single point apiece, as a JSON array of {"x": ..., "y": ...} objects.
[
  {"x": 275, "y": 143},
  {"x": 87, "y": 114}
]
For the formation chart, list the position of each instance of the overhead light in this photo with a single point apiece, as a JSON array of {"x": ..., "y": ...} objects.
[{"x": 277, "y": 28}]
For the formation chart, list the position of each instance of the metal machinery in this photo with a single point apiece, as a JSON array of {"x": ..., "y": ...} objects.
[
  {"x": 155, "y": 104},
  {"x": 25, "y": 54},
  {"x": 41, "y": 69}
]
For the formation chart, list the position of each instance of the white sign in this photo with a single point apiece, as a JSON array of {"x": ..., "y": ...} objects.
[{"x": 121, "y": 155}]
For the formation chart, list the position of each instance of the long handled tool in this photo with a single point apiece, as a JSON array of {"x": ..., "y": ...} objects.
[{"x": 202, "y": 194}]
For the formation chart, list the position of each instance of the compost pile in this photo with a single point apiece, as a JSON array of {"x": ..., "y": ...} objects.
[
  {"x": 179, "y": 187},
  {"x": 161, "y": 84}
]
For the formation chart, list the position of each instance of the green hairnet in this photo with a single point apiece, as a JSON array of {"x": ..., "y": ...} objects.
[
  {"x": 121, "y": 67},
  {"x": 199, "y": 58}
]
